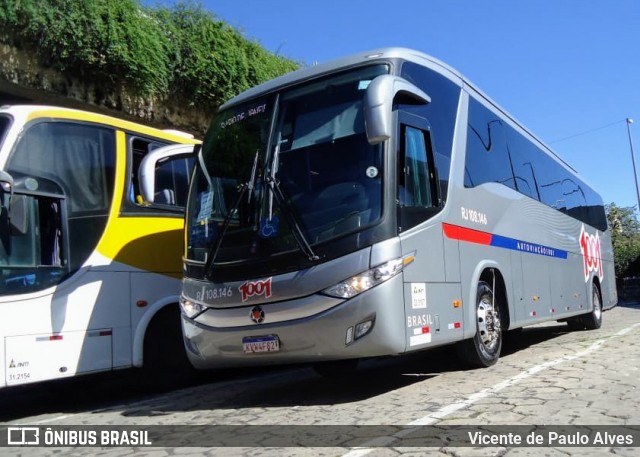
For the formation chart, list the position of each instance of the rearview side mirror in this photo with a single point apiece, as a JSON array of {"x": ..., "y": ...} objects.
[
  {"x": 378, "y": 104},
  {"x": 147, "y": 170}
]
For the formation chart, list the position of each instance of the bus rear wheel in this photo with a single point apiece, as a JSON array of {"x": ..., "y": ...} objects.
[
  {"x": 484, "y": 348},
  {"x": 165, "y": 362},
  {"x": 593, "y": 320}
]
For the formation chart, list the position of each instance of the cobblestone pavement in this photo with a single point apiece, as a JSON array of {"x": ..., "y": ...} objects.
[{"x": 547, "y": 376}]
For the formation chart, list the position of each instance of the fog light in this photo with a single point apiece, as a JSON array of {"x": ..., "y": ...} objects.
[{"x": 363, "y": 328}]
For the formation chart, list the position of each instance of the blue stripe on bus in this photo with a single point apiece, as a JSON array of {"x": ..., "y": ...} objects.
[
  {"x": 475, "y": 236},
  {"x": 524, "y": 246}
]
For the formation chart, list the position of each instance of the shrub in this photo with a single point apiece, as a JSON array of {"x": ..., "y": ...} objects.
[{"x": 155, "y": 52}]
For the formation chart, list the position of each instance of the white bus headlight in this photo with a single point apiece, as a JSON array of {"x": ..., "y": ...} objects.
[
  {"x": 190, "y": 308},
  {"x": 366, "y": 280}
]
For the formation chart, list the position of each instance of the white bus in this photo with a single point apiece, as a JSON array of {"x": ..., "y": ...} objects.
[
  {"x": 91, "y": 236},
  {"x": 377, "y": 205}
]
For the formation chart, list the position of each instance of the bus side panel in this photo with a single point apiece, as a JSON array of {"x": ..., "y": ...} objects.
[
  {"x": 69, "y": 332},
  {"x": 568, "y": 287},
  {"x": 427, "y": 243},
  {"x": 434, "y": 314},
  {"x": 536, "y": 249},
  {"x": 536, "y": 291},
  {"x": 429, "y": 302},
  {"x": 153, "y": 291},
  {"x": 41, "y": 357}
]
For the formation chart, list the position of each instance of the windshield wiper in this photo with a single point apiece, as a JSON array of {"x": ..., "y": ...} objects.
[
  {"x": 283, "y": 203},
  {"x": 213, "y": 252},
  {"x": 249, "y": 185}
]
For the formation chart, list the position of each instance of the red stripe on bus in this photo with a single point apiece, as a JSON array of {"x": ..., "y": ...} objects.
[{"x": 455, "y": 232}]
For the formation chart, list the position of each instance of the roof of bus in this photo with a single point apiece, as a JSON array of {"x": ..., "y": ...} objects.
[
  {"x": 25, "y": 113},
  {"x": 408, "y": 54},
  {"x": 354, "y": 59}
]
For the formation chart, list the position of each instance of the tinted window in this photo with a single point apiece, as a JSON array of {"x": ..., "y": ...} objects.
[
  {"x": 487, "y": 158},
  {"x": 79, "y": 159},
  {"x": 523, "y": 154},
  {"x": 498, "y": 153},
  {"x": 415, "y": 182},
  {"x": 441, "y": 113},
  {"x": 563, "y": 190},
  {"x": 172, "y": 180},
  {"x": 540, "y": 176}
]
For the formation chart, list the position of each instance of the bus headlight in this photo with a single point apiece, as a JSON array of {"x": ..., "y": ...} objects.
[
  {"x": 190, "y": 308},
  {"x": 357, "y": 284}
]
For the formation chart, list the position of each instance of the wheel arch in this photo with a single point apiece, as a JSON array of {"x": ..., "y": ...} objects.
[
  {"x": 152, "y": 312},
  {"x": 486, "y": 271},
  {"x": 595, "y": 281}
]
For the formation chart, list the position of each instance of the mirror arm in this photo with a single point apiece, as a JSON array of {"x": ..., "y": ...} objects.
[{"x": 378, "y": 104}]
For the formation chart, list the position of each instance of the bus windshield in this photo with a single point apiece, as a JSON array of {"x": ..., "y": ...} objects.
[{"x": 286, "y": 173}]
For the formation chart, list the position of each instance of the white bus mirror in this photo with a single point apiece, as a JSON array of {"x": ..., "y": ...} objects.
[
  {"x": 378, "y": 104},
  {"x": 6, "y": 188},
  {"x": 147, "y": 170}
]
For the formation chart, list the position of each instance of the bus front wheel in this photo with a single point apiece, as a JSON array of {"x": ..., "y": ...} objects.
[{"x": 484, "y": 348}]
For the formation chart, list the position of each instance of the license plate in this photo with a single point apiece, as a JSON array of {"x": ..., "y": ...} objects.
[{"x": 267, "y": 343}]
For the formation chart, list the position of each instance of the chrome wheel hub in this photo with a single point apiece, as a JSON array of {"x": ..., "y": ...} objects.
[{"x": 489, "y": 326}]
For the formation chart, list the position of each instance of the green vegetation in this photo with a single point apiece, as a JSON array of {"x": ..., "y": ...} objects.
[
  {"x": 154, "y": 52},
  {"x": 625, "y": 237}
]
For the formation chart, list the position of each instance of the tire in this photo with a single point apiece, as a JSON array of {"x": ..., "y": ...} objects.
[
  {"x": 593, "y": 320},
  {"x": 483, "y": 350},
  {"x": 165, "y": 361}
]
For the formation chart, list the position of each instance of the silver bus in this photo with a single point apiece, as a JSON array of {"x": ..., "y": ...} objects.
[{"x": 377, "y": 205}]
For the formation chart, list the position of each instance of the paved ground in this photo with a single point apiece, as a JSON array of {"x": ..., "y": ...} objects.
[{"x": 548, "y": 377}]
